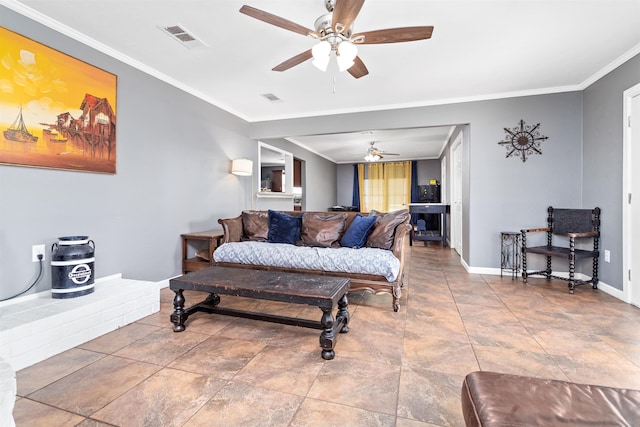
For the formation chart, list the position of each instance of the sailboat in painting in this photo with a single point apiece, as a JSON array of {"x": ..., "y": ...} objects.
[{"x": 18, "y": 131}]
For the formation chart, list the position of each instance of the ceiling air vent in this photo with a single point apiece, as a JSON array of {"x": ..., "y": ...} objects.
[
  {"x": 182, "y": 35},
  {"x": 271, "y": 97}
]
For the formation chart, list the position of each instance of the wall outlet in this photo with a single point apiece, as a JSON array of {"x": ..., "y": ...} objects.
[
  {"x": 35, "y": 251},
  {"x": 607, "y": 255}
]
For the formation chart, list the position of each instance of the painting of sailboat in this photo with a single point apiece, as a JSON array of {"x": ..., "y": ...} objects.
[
  {"x": 56, "y": 111},
  {"x": 18, "y": 131}
]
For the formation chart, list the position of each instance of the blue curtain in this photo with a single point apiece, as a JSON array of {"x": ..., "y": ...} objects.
[
  {"x": 355, "y": 200},
  {"x": 414, "y": 188}
]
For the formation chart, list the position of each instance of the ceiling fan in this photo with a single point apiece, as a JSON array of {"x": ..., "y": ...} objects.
[
  {"x": 374, "y": 154},
  {"x": 334, "y": 33}
]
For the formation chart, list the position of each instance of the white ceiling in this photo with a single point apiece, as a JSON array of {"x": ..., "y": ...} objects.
[
  {"x": 406, "y": 144},
  {"x": 479, "y": 50}
]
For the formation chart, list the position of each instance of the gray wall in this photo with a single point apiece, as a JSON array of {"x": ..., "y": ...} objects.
[
  {"x": 602, "y": 172},
  {"x": 500, "y": 194},
  {"x": 345, "y": 184},
  {"x": 173, "y": 176},
  {"x": 428, "y": 170}
]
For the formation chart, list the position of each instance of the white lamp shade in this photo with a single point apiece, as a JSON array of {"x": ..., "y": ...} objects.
[
  {"x": 242, "y": 167},
  {"x": 321, "y": 49},
  {"x": 348, "y": 50},
  {"x": 344, "y": 63},
  {"x": 320, "y": 54}
]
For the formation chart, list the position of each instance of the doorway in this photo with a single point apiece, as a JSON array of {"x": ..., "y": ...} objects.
[
  {"x": 456, "y": 194},
  {"x": 298, "y": 187},
  {"x": 630, "y": 205},
  {"x": 443, "y": 181}
]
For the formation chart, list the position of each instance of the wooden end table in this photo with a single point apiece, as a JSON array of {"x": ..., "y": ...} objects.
[
  {"x": 320, "y": 291},
  {"x": 213, "y": 239}
]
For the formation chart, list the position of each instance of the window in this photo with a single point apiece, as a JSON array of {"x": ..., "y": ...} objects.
[{"x": 385, "y": 187}]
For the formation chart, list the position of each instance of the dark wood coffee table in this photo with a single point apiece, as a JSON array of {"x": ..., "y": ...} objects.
[{"x": 320, "y": 291}]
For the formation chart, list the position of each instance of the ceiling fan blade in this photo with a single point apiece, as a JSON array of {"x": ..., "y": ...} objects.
[
  {"x": 394, "y": 35},
  {"x": 292, "y": 62},
  {"x": 345, "y": 12},
  {"x": 358, "y": 69},
  {"x": 277, "y": 21},
  {"x": 378, "y": 152}
]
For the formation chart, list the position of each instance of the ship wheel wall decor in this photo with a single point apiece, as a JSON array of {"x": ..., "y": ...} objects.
[{"x": 523, "y": 140}]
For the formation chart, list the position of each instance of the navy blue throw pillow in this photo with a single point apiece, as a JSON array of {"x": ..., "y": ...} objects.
[
  {"x": 283, "y": 228},
  {"x": 358, "y": 231}
]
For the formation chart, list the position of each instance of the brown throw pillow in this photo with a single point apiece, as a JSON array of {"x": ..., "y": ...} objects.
[
  {"x": 322, "y": 230},
  {"x": 232, "y": 228},
  {"x": 255, "y": 225},
  {"x": 383, "y": 232}
]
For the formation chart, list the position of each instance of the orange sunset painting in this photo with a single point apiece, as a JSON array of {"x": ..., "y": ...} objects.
[{"x": 55, "y": 111}]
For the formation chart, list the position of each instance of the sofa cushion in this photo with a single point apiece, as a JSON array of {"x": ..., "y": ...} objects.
[
  {"x": 492, "y": 399},
  {"x": 322, "y": 230},
  {"x": 283, "y": 228},
  {"x": 255, "y": 225},
  {"x": 374, "y": 261},
  {"x": 358, "y": 231},
  {"x": 384, "y": 229}
]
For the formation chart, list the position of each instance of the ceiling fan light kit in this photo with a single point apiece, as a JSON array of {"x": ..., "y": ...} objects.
[
  {"x": 345, "y": 53},
  {"x": 374, "y": 154},
  {"x": 372, "y": 157},
  {"x": 334, "y": 32}
]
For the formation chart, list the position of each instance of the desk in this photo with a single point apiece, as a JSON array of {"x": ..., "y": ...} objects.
[{"x": 430, "y": 208}]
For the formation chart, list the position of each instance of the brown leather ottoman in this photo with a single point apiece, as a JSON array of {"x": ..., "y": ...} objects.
[{"x": 493, "y": 399}]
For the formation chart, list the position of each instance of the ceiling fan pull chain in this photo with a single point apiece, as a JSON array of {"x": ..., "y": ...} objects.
[{"x": 334, "y": 83}]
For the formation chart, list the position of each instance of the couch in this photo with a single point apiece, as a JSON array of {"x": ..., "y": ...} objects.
[
  {"x": 367, "y": 248},
  {"x": 497, "y": 399}
]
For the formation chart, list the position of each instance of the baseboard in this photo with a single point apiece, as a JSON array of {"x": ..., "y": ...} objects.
[
  {"x": 165, "y": 283},
  {"x": 614, "y": 292},
  {"x": 482, "y": 270},
  {"x": 604, "y": 287}
]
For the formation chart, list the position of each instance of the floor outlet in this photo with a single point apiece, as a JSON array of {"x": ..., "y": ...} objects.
[{"x": 35, "y": 251}]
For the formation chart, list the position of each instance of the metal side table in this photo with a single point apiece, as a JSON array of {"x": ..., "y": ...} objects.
[{"x": 510, "y": 253}]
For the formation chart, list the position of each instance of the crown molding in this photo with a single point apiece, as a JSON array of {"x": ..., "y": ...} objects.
[
  {"x": 611, "y": 66},
  {"x": 113, "y": 53},
  {"x": 47, "y": 21}
]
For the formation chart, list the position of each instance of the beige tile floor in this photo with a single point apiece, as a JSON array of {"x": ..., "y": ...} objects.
[{"x": 392, "y": 369}]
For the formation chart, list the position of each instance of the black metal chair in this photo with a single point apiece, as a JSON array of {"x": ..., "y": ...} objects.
[{"x": 572, "y": 224}]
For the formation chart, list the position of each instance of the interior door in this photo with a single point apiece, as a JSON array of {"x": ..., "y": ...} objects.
[
  {"x": 456, "y": 195},
  {"x": 443, "y": 180},
  {"x": 633, "y": 204}
]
